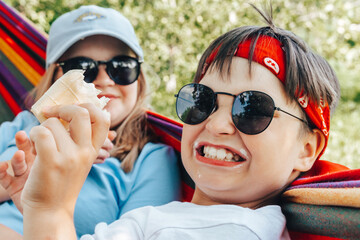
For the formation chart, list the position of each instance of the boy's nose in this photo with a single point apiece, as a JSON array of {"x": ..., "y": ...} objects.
[
  {"x": 102, "y": 78},
  {"x": 220, "y": 122}
]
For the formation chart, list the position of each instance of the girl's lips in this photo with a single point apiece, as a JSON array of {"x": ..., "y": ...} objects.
[{"x": 106, "y": 95}]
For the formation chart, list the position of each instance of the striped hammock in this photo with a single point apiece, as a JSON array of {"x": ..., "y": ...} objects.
[
  {"x": 323, "y": 204},
  {"x": 22, "y": 54}
]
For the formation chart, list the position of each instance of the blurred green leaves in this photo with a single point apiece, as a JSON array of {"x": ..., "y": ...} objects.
[{"x": 174, "y": 33}]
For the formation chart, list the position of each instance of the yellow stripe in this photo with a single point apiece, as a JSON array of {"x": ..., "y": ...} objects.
[{"x": 33, "y": 76}]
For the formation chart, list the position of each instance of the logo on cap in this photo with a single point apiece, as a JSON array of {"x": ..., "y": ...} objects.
[
  {"x": 89, "y": 16},
  {"x": 269, "y": 62}
]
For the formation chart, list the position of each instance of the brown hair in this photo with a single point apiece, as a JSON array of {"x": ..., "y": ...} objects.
[
  {"x": 132, "y": 134},
  {"x": 306, "y": 71},
  {"x": 44, "y": 84}
]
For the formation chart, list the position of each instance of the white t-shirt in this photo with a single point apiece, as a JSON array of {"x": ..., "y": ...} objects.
[{"x": 181, "y": 220}]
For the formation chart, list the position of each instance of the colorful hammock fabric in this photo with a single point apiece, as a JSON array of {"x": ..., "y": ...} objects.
[
  {"x": 22, "y": 54},
  {"x": 170, "y": 133},
  {"x": 323, "y": 204},
  {"x": 306, "y": 221}
]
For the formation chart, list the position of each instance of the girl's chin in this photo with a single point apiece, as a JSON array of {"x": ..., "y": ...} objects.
[{"x": 115, "y": 121}]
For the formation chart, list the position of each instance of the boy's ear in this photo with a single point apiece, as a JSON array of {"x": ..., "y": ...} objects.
[{"x": 313, "y": 144}]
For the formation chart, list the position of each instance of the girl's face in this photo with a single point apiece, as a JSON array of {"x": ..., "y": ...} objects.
[
  {"x": 100, "y": 47},
  {"x": 269, "y": 160}
]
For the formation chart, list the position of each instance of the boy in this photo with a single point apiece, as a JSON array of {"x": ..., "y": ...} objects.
[{"x": 256, "y": 117}]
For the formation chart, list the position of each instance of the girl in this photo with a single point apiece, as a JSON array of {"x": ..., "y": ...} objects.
[{"x": 139, "y": 172}]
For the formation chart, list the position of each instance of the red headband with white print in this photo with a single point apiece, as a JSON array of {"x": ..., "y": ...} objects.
[{"x": 269, "y": 53}]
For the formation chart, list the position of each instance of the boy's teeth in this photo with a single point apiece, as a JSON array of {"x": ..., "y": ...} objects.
[{"x": 220, "y": 154}]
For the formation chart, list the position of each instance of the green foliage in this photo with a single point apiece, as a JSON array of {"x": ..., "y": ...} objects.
[
  {"x": 344, "y": 142},
  {"x": 174, "y": 33}
]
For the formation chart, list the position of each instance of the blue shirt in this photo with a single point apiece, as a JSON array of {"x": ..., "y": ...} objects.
[{"x": 108, "y": 191}]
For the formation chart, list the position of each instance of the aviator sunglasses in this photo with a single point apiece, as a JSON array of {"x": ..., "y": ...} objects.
[
  {"x": 252, "y": 111},
  {"x": 123, "y": 70}
]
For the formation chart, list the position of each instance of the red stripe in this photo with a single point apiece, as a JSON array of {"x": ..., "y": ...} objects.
[
  {"x": 27, "y": 58},
  {"x": 187, "y": 192},
  {"x": 20, "y": 24},
  {"x": 164, "y": 118},
  {"x": 308, "y": 236},
  {"x": 14, "y": 107},
  {"x": 167, "y": 139},
  {"x": 353, "y": 174},
  {"x": 23, "y": 38}
]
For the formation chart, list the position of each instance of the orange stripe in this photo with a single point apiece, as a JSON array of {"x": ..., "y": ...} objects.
[
  {"x": 31, "y": 61},
  {"x": 29, "y": 72}
]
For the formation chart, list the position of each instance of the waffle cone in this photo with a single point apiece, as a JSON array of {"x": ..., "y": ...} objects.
[{"x": 68, "y": 89}]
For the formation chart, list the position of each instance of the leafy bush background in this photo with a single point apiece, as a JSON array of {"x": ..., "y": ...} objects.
[{"x": 174, "y": 33}]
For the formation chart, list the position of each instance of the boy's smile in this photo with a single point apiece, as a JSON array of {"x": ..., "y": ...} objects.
[
  {"x": 229, "y": 166},
  {"x": 219, "y": 155}
]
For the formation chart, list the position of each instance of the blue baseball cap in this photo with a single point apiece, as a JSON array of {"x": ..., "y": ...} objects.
[{"x": 88, "y": 21}]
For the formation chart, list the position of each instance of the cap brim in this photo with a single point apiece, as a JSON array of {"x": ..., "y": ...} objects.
[{"x": 92, "y": 32}]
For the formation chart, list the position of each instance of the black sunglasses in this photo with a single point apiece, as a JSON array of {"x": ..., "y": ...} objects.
[
  {"x": 252, "y": 111},
  {"x": 123, "y": 70}
]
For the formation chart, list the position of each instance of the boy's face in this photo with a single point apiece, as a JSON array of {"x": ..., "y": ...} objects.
[{"x": 269, "y": 159}]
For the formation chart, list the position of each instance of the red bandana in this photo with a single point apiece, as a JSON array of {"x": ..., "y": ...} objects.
[{"x": 269, "y": 53}]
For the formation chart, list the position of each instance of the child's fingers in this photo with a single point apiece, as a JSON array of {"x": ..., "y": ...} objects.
[
  {"x": 18, "y": 163},
  {"x": 104, "y": 151},
  {"x": 112, "y": 135},
  {"x": 21, "y": 140},
  {"x": 87, "y": 123},
  {"x": 5, "y": 178},
  {"x": 79, "y": 121},
  {"x": 23, "y": 143},
  {"x": 3, "y": 167},
  {"x": 103, "y": 154},
  {"x": 59, "y": 133},
  {"x": 44, "y": 143},
  {"x": 108, "y": 145},
  {"x": 100, "y": 123}
]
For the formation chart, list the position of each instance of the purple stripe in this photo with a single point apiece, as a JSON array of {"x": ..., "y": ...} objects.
[
  {"x": 39, "y": 39},
  {"x": 23, "y": 32},
  {"x": 174, "y": 135},
  {"x": 342, "y": 184},
  {"x": 170, "y": 127},
  {"x": 14, "y": 87}
]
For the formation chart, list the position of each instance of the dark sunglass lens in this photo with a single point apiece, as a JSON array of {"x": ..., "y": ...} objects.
[
  {"x": 252, "y": 112},
  {"x": 194, "y": 103},
  {"x": 123, "y": 71},
  {"x": 82, "y": 63},
  {"x": 90, "y": 73}
]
